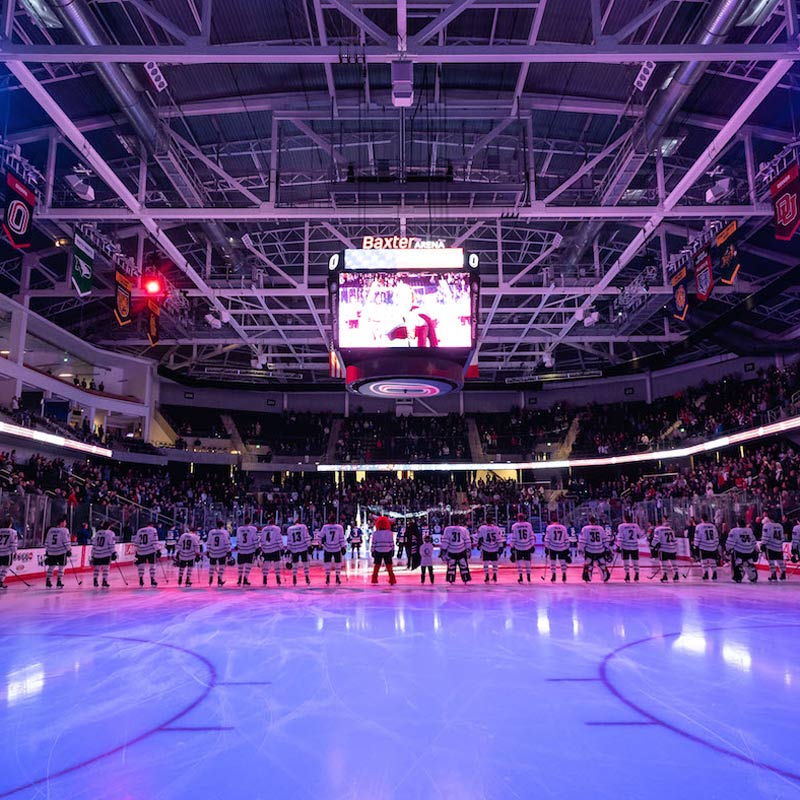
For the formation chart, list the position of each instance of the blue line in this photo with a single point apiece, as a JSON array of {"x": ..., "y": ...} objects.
[
  {"x": 173, "y": 729},
  {"x": 604, "y": 724}
]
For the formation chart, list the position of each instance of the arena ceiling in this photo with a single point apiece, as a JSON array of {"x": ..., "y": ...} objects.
[{"x": 275, "y": 143}]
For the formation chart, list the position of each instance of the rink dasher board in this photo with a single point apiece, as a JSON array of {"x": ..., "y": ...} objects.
[{"x": 29, "y": 562}]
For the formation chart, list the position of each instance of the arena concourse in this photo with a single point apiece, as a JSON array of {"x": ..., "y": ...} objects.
[{"x": 399, "y": 400}]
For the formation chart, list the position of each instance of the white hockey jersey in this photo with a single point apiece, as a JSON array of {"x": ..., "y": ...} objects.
[
  {"x": 593, "y": 539},
  {"x": 332, "y": 537},
  {"x": 522, "y": 536},
  {"x": 270, "y": 539},
  {"x": 664, "y": 538},
  {"x": 103, "y": 544},
  {"x": 556, "y": 537},
  {"x": 772, "y": 535},
  {"x": 247, "y": 539},
  {"x": 706, "y": 537},
  {"x": 628, "y": 535},
  {"x": 218, "y": 543},
  {"x": 426, "y": 554},
  {"x": 8, "y": 541},
  {"x": 146, "y": 541},
  {"x": 796, "y": 536},
  {"x": 188, "y": 546},
  {"x": 456, "y": 539},
  {"x": 741, "y": 540},
  {"x": 57, "y": 541},
  {"x": 298, "y": 540},
  {"x": 490, "y": 538},
  {"x": 356, "y": 537}
]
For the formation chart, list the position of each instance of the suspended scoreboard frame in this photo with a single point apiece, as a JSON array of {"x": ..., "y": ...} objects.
[{"x": 404, "y": 372}]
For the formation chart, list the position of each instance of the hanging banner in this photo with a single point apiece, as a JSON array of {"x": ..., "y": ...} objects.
[
  {"x": 785, "y": 192},
  {"x": 20, "y": 202},
  {"x": 82, "y": 265},
  {"x": 703, "y": 275},
  {"x": 336, "y": 370},
  {"x": 152, "y": 322},
  {"x": 725, "y": 254},
  {"x": 680, "y": 297},
  {"x": 122, "y": 309},
  {"x": 473, "y": 370}
]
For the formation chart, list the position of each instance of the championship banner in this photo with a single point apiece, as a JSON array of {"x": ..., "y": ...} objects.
[
  {"x": 82, "y": 265},
  {"x": 152, "y": 322},
  {"x": 785, "y": 191},
  {"x": 725, "y": 254},
  {"x": 336, "y": 369},
  {"x": 680, "y": 297},
  {"x": 124, "y": 287},
  {"x": 20, "y": 202},
  {"x": 703, "y": 275}
]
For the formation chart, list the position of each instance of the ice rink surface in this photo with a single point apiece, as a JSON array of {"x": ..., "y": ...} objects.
[{"x": 603, "y": 691}]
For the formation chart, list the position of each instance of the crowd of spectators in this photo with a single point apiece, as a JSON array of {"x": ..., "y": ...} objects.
[
  {"x": 521, "y": 431},
  {"x": 366, "y": 438},
  {"x": 291, "y": 433}
]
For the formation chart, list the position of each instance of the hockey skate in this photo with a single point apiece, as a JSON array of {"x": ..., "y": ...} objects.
[
  {"x": 519, "y": 580},
  {"x": 210, "y": 580},
  {"x": 180, "y": 579},
  {"x": 3, "y": 585},
  {"x": 627, "y": 577},
  {"x": 664, "y": 578},
  {"x": 553, "y": 578},
  {"x": 606, "y": 575},
  {"x": 277, "y": 580},
  {"x": 188, "y": 583},
  {"x": 153, "y": 582},
  {"x": 773, "y": 578},
  {"x": 106, "y": 585},
  {"x": 95, "y": 583},
  {"x": 246, "y": 582},
  {"x": 338, "y": 581},
  {"x": 294, "y": 580},
  {"x": 239, "y": 581},
  {"x": 529, "y": 577},
  {"x": 141, "y": 583},
  {"x": 714, "y": 575},
  {"x": 783, "y": 576},
  {"x": 264, "y": 580},
  {"x": 59, "y": 584},
  {"x": 49, "y": 583},
  {"x": 220, "y": 582},
  {"x": 494, "y": 578},
  {"x": 308, "y": 581},
  {"x": 705, "y": 576},
  {"x": 486, "y": 579},
  {"x": 676, "y": 577},
  {"x": 563, "y": 577},
  {"x": 636, "y": 578}
]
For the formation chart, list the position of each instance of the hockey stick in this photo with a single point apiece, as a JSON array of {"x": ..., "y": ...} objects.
[
  {"x": 659, "y": 568},
  {"x": 19, "y": 577},
  {"x": 77, "y": 579},
  {"x": 121, "y": 574},
  {"x": 163, "y": 568}
]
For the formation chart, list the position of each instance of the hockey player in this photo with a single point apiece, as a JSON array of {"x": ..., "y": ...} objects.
[
  {"x": 173, "y": 532},
  {"x": 796, "y": 543},
  {"x": 57, "y": 548},
  {"x": 8, "y": 549},
  {"x": 355, "y": 539},
  {"x": 706, "y": 542},
  {"x": 772, "y": 539},
  {"x": 270, "y": 543},
  {"x": 594, "y": 543},
  {"x": 145, "y": 541},
  {"x": 457, "y": 543},
  {"x": 104, "y": 551},
  {"x": 246, "y": 549},
  {"x": 334, "y": 547},
  {"x": 489, "y": 541},
  {"x": 665, "y": 547},
  {"x": 556, "y": 547},
  {"x": 299, "y": 542},
  {"x": 218, "y": 550},
  {"x": 188, "y": 554},
  {"x": 522, "y": 546},
  {"x": 742, "y": 546},
  {"x": 628, "y": 536},
  {"x": 426, "y": 557},
  {"x": 383, "y": 549}
]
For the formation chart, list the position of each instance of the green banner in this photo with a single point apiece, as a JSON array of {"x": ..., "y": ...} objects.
[{"x": 82, "y": 266}]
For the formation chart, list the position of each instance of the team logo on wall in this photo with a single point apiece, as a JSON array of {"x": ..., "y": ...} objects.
[
  {"x": 20, "y": 202},
  {"x": 703, "y": 275},
  {"x": 122, "y": 310},
  {"x": 680, "y": 297},
  {"x": 785, "y": 191}
]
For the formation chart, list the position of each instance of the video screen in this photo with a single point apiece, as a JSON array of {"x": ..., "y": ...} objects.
[{"x": 404, "y": 310}]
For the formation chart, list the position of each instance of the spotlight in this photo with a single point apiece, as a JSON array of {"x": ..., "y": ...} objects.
[
  {"x": 154, "y": 73},
  {"x": 153, "y": 285},
  {"x": 80, "y": 187}
]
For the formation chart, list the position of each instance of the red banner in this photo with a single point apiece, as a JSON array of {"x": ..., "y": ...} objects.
[
  {"x": 703, "y": 275},
  {"x": 20, "y": 202},
  {"x": 785, "y": 191}
]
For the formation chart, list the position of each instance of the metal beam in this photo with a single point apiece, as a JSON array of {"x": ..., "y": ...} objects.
[
  {"x": 107, "y": 174},
  {"x": 269, "y": 212},
  {"x": 703, "y": 162},
  {"x": 363, "y": 22},
  {"x": 440, "y": 22},
  {"x": 541, "y": 53}
]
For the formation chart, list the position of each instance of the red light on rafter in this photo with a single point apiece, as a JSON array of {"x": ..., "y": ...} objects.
[{"x": 153, "y": 285}]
